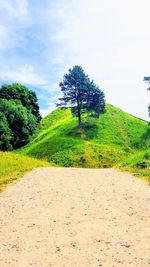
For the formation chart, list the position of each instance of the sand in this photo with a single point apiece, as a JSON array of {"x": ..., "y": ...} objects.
[{"x": 75, "y": 218}]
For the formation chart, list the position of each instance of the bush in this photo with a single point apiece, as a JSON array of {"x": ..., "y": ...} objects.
[
  {"x": 5, "y": 134},
  {"x": 19, "y": 92},
  {"x": 21, "y": 123}
]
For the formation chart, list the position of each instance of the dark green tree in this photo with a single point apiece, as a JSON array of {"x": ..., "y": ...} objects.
[
  {"x": 96, "y": 100},
  {"x": 5, "y": 134},
  {"x": 81, "y": 94},
  {"x": 27, "y": 97},
  {"x": 22, "y": 123}
]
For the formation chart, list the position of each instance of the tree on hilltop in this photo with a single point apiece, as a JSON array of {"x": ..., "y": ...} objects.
[{"x": 81, "y": 94}]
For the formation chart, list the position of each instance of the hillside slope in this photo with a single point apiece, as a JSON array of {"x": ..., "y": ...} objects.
[{"x": 103, "y": 142}]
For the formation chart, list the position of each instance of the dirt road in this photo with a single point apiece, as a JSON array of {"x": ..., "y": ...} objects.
[{"x": 75, "y": 218}]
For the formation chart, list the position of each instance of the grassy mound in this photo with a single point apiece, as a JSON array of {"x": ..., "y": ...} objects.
[
  {"x": 102, "y": 142},
  {"x": 14, "y": 165}
]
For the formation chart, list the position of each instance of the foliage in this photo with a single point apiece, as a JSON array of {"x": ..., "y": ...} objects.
[
  {"x": 138, "y": 163},
  {"x": 20, "y": 116},
  {"x": 13, "y": 165},
  {"x": 81, "y": 94},
  {"x": 5, "y": 133},
  {"x": 20, "y": 121},
  {"x": 21, "y": 93}
]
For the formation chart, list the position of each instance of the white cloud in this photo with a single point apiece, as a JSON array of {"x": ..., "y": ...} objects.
[
  {"x": 110, "y": 40},
  {"x": 45, "y": 111},
  {"x": 14, "y": 17},
  {"x": 3, "y": 34},
  {"x": 51, "y": 105},
  {"x": 24, "y": 74},
  {"x": 15, "y": 8}
]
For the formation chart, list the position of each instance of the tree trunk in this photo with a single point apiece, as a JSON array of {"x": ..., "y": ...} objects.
[
  {"x": 79, "y": 117},
  {"x": 79, "y": 120}
]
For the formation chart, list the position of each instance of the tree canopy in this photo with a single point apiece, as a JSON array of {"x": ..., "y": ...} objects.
[
  {"x": 19, "y": 115},
  {"x": 81, "y": 94},
  {"x": 21, "y": 93},
  {"x": 5, "y": 133}
]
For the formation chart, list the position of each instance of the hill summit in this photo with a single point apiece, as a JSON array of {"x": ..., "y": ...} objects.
[{"x": 103, "y": 141}]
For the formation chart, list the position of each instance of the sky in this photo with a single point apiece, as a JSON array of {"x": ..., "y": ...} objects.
[{"x": 110, "y": 39}]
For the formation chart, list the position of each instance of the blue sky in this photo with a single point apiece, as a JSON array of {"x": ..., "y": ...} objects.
[{"x": 110, "y": 39}]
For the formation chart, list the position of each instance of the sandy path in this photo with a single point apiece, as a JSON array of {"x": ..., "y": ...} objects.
[{"x": 75, "y": 218}]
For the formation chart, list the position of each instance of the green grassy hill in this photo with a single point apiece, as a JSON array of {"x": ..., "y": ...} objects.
[{"x": 102, "y": 142}]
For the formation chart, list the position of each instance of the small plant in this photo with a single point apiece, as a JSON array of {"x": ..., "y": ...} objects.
[{"x": 142, "y": 165}]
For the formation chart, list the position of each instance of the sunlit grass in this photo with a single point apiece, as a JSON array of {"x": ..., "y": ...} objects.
[
  {"x": 102, "y": 142},
  {"x": 13, "y": 166},
  {"x": 138, "y": 163},
  {"x": 116, "y": 137}
]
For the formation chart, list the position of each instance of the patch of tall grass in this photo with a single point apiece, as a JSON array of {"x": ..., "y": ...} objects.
[
  {"x": 138, "y": 163},
  {"x": 13, "y": 166}
]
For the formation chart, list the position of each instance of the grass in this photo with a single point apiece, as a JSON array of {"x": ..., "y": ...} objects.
[
  {"x": 114, "y": 139},
  {"x": 103, "y": 142},
  {"x": 13, "y": 166},
  {"x": 138, "y": 163}
]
